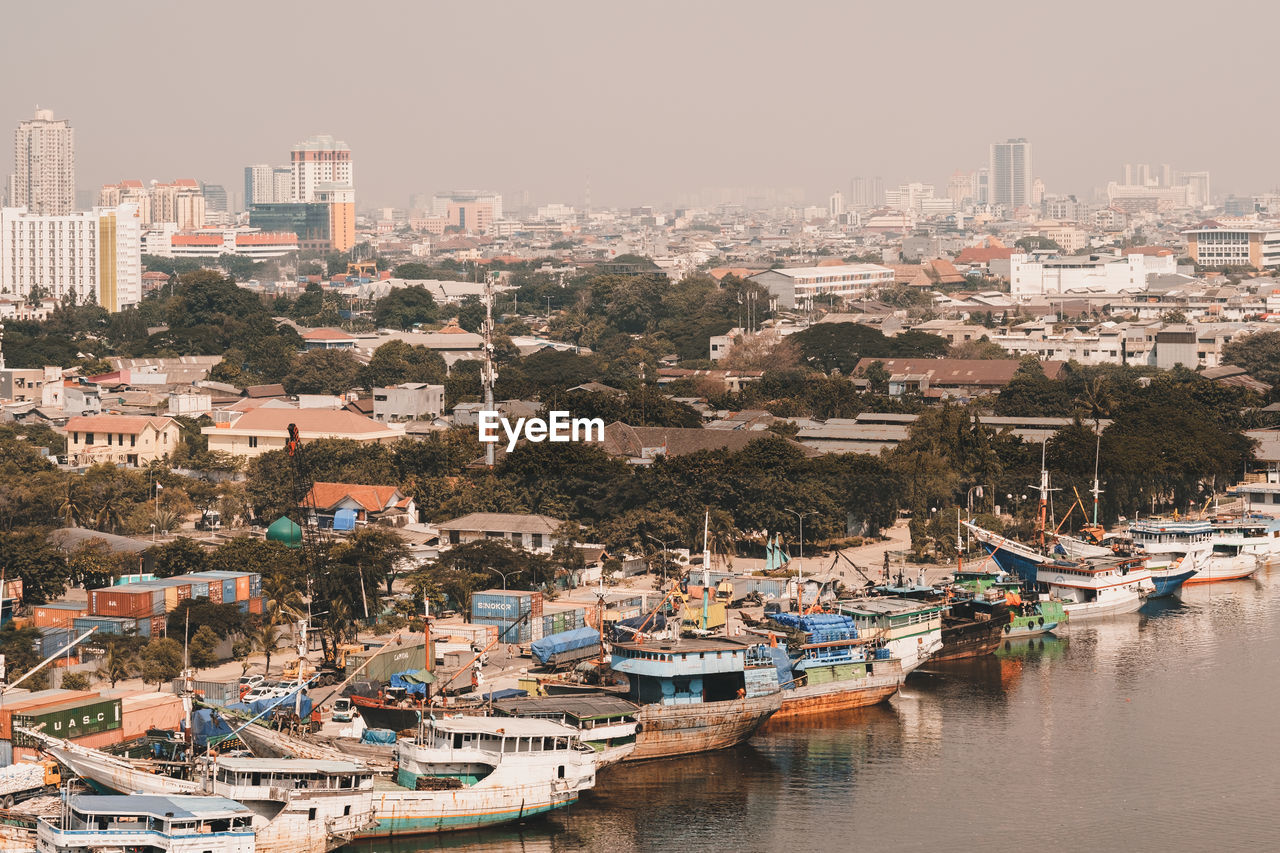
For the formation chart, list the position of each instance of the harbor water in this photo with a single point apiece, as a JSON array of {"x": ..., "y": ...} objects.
[{"x": 1156, "y": 731}]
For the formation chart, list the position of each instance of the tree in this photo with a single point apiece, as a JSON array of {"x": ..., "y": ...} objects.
[
  {"x": 161, "y": 661},
  {"x": 471, "y": 313},
  {"x": 75, "y": 681},
  {"x": 1258, "y": 354},
  {"x": 412, "y": 270},
  {"x": 396, "y": 361},
  {"x": 18, "y": 645},
  {"x": 762, "y": 351},
  {"x": 375, "y": 553},
  {"x": 224, "y": 619},
  {"x": 983, "y": 348},
  {"x": 28, "y": 555},
  {"x": 323, "y": 371},
  {"x": 1035, "y": 242},
  {"x": 117, "y": 664},
  {"x": 202, "y": 648},
  {"x": 405, "y": 307},
  {"x": 266, "y": 639},
  {"x": 182, "y": 556}
]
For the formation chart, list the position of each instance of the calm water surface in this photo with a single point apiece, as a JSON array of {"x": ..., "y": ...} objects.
[{"x": 1157, "y": 731}]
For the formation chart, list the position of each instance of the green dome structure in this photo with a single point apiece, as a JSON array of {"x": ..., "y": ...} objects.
[{"x": 284, "y": 531}]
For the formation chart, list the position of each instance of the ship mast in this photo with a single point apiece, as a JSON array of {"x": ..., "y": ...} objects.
[
  {"x": 1043, "y": 488},
  {"x": 489, "y": 374},
  {"x": 1096, "y": 489}
]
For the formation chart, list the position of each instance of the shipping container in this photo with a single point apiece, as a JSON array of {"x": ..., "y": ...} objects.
[
  {"x": 217, "y": 692},
  {"x": 508, "y": 632},
  {"x": 128, "y": 601},
  {"x": 481, "y": 635},
  {"x": 70, "y": 720},
  {"x": 509, "y": 605},
  {"x": 242, "y": 588},
  {"x": 138, "y": 578},
  {"x": 383, "y": 664},
  {"x": 32, "y": 701},
  {"x": 99, "y": 740},
  {"x": 141, "y": 712},
  {"x": 105, "y": 625},
  {"x": 199, "y": 589},
  {"x": 215, "y": 591},
  {"x": 58, "y": 614},
  {"x": 228, "y": 590},
  {"x": 175, "y": 594},
  {"x": 52, "y": 640},
  {"x": 6, "y": 753},
  {"x": 256, "y": 604}
]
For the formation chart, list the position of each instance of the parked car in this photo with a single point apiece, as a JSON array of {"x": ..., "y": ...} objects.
[{"x": 248, "y": 682}]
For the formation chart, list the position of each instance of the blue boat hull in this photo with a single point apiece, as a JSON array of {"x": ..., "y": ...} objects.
[
  {"x": 1169, "y": 584},
  {"x": 1019, "y": 565}
]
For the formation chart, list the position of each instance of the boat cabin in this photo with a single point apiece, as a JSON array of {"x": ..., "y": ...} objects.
[
  {"x": 690, "y": 672},
  {"x": 463, "y": 751},
  {"x": 1159, "y": 532},
  {"x": 175, "y": 824},
  {"x": 595, "y": 717},
  {"x": 273, "y": 778}
]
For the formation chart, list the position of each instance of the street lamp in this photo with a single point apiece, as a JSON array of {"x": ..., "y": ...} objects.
[
  {"x": 503, "y": 575},
  {"x": 800, "y": 560},
  {"x": 664, "y": 553},
  {"x": 968, "y": 499}
]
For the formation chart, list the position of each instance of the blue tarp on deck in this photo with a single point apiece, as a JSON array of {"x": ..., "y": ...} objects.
[
  {"x": 207, "y": 723},
  {"x": 548, "y": 648}
]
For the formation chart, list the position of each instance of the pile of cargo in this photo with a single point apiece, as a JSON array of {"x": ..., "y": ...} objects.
[
  {"x": 141, "y": 607},
  {"x": 559, "y": 617},
  {"x": 512, "y": 612},
  {"x": 829, "y": 631},
  {"x": 80, "y": 715}
]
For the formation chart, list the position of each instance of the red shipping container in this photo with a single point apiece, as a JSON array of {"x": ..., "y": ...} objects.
[
  {"x": 242, "y": 588},
  {"x": 150, "y": 711},
  {"x": 43, "y": 699},
  {"x": 536, "y": 605},
  {"x": 120, "y": 601},
  {"x": 57, "y": 617},
  {"x": 158, "y": 626},
  {"x": 215, "y": 591},
  {"x": 255, "y": 605}
]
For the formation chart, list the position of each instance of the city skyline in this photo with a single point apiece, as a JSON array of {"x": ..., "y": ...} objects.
[{"x": 550, "y": 119}]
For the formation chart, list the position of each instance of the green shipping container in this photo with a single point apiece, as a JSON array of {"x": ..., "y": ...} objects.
[
  {"x": 69, "y": 721},
  {"x": 389, "y": 661}
]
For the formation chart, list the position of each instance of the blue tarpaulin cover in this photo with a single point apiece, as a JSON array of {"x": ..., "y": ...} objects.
[
  {"x": 546, "y": 649},
  {"x": 414, "y": 683},
  {"x": 207, "y": 723},
  {"x": 344, "y": 519},
  {"x": 507, "y": 693},
  {"x": 652, "y": 624},
  {"x": 378, "y": 736}
]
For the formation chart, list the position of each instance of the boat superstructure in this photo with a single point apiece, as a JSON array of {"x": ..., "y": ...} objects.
[
  {"x": 910, "y": 630},
  {"x": 1096, "y": 586},
  {"x": 152, "y": 823}
]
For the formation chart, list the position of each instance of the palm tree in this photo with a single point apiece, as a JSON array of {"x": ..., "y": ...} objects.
[
  {"x": 723, "y": 536},
  {"x": 266, "y": 639},
  {"x": 72, "y": 510},
  {"x": 116, "y": 665},
  {"x": 1095, "y": 400}
]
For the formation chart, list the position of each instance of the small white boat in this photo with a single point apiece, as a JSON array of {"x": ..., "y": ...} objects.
[{"x": 1232, "y": 558}]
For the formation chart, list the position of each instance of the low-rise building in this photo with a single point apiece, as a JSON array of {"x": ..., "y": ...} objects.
[
  {"x": 341, "y": 506},
  {"x": 799, "y": 287},
  {"x": 1234, "y": 242},
  {"x": 520, "y": 530},
  {"x": 947, "y": 377},
  {"x": 408, "y": 401},
  {"x": 262, "y": 429},
  {"x": 328, "y": 339},
  {"x": 1098, "y": 273},
  {"x": 120, "y": 439}
]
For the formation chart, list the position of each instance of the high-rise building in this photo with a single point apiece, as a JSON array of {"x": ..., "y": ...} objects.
[
  {"x": 341, "y": 202},
  {"x": 961, "y": 188},
  {"x": 319, "y": 160},
  {"x": 215, "y": 197},
  {"x": 470, "y": 210},
  {"x": 835, "y": 205},
  {"x": 93, "y": 254},
  {"x": 181, "y": 203},
  {"x": 265, "y": 184},
  {"x": 44, "y": 166},
  {"x": 1010, "y": 176}
]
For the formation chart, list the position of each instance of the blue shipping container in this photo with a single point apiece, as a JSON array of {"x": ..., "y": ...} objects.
[
  {"x": 228, "y": 590},
  {"x": 508, "y": 631},
  {"x": 491, "y": 605},
  {"x": 105, "y": 625}
]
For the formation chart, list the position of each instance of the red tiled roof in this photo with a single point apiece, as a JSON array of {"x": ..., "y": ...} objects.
[
  {"x": 957, "y": 371},
  {"x": 311, "y": 422},
  {"x": 372, "y": 498},
  {"x": 128, "y": 424},
  {"x": 983, "y": 255}
]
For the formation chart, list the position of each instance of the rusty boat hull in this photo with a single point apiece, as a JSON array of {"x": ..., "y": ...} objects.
[
  {"x": 814, "y": 699},
  {"x": 671, "y": 730}
]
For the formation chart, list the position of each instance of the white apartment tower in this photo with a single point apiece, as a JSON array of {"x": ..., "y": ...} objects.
[
  {"x": 1010, "y": 173},
  {"x": 320, "y": 160},
  {"x": 44, "y": 165},
  {"x": 93, "y": 254}
]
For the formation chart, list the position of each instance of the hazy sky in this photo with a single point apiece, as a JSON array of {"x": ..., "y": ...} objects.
[{"x": 648, "y": 100}]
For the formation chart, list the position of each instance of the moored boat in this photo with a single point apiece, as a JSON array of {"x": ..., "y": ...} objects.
[
  {"x": 604, "y": 722},
  {"x": 696, "y": 695},
  {"x": 154, "y": 823},
  {"x": 833, "y": 669},
  {"x": 910, "y": 630},
  {"x": 1096, "y": 586}
]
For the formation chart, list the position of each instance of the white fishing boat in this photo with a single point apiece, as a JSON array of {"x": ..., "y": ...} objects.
[
  {"x": 1231, "y": 558},
  {"x": 472, "y": 772},
  {"x": 111, "y": 773},
  {"x": 156, "y": 824},
  {"x": 911, "y": 630},
  {"x": 1095, "y": 586}
]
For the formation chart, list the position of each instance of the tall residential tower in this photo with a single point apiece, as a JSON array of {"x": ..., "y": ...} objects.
[
  {"x": 1010, "y": 173},
  {"x": 44, "y": 166}
]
